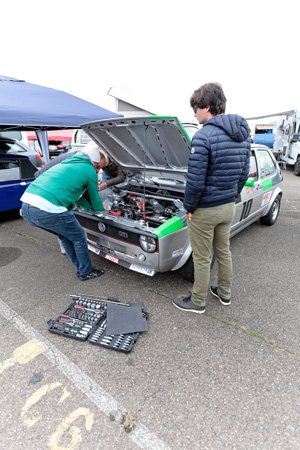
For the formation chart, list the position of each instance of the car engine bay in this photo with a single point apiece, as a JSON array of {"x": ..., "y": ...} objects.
[{"x": 148, "y": 208}]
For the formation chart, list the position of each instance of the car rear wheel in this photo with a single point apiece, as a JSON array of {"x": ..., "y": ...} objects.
[
  {"x": 297, "y": 167},
  {"x": 187, "y": 270},
  {"x": 271, "y": 217}
]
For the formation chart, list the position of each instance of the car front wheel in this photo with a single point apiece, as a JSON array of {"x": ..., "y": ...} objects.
[
  {"x": 271, "y": 217},
  {"x": 297, "y": 167},
  {"x": 187, "y": 270}
]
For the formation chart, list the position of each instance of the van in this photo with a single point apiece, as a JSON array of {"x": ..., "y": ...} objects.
[{"x": 79, "y": 140}]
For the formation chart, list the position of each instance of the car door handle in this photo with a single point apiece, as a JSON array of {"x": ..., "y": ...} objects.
[{"x": 23, "y": 183}]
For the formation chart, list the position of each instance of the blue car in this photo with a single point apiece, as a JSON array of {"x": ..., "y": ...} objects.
[{"x": 16, "y": 173}]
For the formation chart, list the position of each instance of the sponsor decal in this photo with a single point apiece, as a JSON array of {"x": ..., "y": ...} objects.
[
  {"x": 93, "y": 249},
  {"x": 89, "y": 241},
  {"x": 111, "y": 258},
  {"x": 177, "y": 252},
  {"x": 266, "y": 198},
  {"x": 101, "y": 227},
  {"x": 142, "y": 270},
  {"x": 267, "y": 184}
]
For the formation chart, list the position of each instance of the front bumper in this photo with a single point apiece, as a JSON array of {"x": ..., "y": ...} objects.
[{"x": 117, "y": 240}]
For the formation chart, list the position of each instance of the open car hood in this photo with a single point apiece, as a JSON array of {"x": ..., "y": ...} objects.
[{"x": 155, "y": 146}]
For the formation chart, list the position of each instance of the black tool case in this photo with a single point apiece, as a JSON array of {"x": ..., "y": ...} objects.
[{"x": 86, "y": 318}]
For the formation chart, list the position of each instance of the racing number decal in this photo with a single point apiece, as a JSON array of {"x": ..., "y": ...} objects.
[
  {"x": 246, "y": 209},
  {"x": 24, "y": 355}
]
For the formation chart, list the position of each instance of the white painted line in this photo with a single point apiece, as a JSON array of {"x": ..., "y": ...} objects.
[{"x": 144, "y": 438}]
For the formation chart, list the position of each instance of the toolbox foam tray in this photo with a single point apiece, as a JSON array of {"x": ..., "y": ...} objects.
[{"x": 86, "y": 318}]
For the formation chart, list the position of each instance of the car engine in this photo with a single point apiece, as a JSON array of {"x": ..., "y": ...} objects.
[{"x": 153, "y": 209}]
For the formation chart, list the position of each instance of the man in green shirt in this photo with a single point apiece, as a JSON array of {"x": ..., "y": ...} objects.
[{"x": 49, "y": 200}]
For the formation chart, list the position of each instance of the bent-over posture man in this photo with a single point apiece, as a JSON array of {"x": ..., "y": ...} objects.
[{"x": 49, "y": 200}]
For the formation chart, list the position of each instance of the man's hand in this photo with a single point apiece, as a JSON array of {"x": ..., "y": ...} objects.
[
  {"x": 106, "y": 208},
  {"x": 102, "y": 186}
]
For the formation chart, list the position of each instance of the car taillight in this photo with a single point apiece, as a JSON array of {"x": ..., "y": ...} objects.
[
  {"x": 38, "y": 156},
  {"x": 60, "y": 146}
]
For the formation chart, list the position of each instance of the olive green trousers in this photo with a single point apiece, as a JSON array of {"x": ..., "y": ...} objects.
[{"x": 209, "y": 229}]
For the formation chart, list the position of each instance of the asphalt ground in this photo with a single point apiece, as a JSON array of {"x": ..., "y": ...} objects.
[{"x": 228, "y": 379}]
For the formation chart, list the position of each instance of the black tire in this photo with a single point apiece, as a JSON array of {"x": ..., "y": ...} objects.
[
  {"x": 271, "y": 217},
  {"x": 187, "y": 270},
  {"x": 297, "y": 167}
]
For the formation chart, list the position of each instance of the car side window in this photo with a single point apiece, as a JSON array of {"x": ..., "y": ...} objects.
[
  {"x": 267, "y": 166},
  {"x": 9, "y": 147},
  {"x": 253, "y": 167},
  {"x": 9, "y": 171}
]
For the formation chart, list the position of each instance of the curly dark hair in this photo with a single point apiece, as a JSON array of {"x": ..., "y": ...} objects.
[{"x": 212, "y": 95}]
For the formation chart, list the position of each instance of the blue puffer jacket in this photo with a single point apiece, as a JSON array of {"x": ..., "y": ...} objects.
[{"x": 219, "y": 162}]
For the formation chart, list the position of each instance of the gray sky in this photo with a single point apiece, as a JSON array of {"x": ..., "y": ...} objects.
[{"x": 162, "y": 49}]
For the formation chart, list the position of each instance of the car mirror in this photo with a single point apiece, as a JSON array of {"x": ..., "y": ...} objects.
[{"x": 250, "y": 182}]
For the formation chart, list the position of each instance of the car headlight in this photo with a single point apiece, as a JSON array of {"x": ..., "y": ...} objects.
[{"x": 148, "y": 244}]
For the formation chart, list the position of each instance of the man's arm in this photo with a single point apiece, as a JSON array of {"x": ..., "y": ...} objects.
[
  {"x": 112, "y": 169},
  {"x": 119, "y": 178},
  {"x": 196, "y": 174},
  {"x": 53, "y": 162},
  {"x": 94, "y": 199}
]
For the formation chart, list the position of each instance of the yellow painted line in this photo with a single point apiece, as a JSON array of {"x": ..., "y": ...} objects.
[
  {"x": 141, "y": 435},
  {"x": 23, "y": 354},
  {"x": 28, "y": 351}
]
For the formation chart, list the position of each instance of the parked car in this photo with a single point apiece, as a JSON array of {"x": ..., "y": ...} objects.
[
  {"x": 14, "y": 147},
  {"x": 146, "y": 229},
  {"x": 58, "y": 147},
  {"x": 17, "y": 135},
  {"x": 16, "y": 173},
  {"x": 59, "y": 141}
]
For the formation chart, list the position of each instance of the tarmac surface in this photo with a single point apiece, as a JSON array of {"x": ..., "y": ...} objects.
[{"x": 227, "y": 379}]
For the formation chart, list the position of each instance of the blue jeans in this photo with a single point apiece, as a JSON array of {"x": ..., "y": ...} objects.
[
  {"x": 105, "y": 177},
  {"x": 69, "y": 231}
]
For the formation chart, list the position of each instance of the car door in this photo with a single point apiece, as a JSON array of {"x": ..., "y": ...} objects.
[
  {"x": 248, "y": 203},
  {"x": 265, "y": 185},
  {"x": 11, "y": 184}
]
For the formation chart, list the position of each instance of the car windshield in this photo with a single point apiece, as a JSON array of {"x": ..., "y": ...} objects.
[
  {"x": 191, "y": 130},
  {"x": 10, "y": 147}
]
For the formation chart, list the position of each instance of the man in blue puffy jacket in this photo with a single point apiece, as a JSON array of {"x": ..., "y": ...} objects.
[{"x": 218, "y": 170}]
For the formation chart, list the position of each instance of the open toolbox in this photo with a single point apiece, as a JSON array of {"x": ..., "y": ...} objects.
[{"x": 86, "y": 318}]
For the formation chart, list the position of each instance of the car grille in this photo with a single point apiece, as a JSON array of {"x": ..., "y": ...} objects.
[{"x": 122, "y": 233}]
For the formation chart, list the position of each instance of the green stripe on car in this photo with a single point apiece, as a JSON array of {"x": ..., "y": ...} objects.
[{"x": 168, "y": 227}]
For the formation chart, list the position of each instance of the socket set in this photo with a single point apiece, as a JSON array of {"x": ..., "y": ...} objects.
[
  {"x": 86, "y": 319},
  {"x": 119, "y": 342},
  {"x": 78, "y": 320}
]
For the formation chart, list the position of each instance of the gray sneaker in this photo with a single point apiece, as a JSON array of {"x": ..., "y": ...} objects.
[
  {"x": 186, "y": 304},
  {"x": 214, "y": 291}
]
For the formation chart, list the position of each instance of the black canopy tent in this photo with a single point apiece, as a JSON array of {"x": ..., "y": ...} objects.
[{"x": 26, "y": 106}]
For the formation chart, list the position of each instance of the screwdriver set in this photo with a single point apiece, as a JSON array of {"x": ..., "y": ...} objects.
[{"x": 86, "y": 319}]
